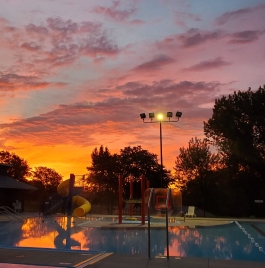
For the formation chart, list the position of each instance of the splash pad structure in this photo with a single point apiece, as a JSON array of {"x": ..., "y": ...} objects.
[{"x": 159, "y": 202}]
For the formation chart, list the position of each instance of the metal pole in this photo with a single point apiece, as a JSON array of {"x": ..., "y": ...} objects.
[
  {"x": 142, "y": 195},
  {"x": 70, "y": 195},
  {"x": 149, "y": 225},
  {"x": 131, "y": 195},
  {"x": 161, "y": 156},
  {"x": 167, "y": 207},
  {"x": 120, "y": 199}
]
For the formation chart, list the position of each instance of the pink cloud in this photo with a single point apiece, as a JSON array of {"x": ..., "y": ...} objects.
[
  {"x": 31, "y": 28},
  {"x": 137, "y": 22},
  {"x": 58, "y": 42},
  {"x": 181, "y": 18},
  {"x": 208, "y": 65},
  {"x": 114, "y": 13},
  {"x": 32, "y": 46}
]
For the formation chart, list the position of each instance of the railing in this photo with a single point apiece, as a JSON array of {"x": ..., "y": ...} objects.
[
  {"x": 14, "y": 219},
  {"x": 11, "y": 214}
]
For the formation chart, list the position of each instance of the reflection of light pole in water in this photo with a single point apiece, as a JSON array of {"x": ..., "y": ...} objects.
[{"x": 160, "y": 121}]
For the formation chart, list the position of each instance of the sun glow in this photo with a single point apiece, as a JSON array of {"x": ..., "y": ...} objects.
[{"x": 160, "y": 116}]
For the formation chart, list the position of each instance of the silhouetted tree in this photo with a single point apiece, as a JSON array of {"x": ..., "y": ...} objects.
[
  {"x": 193, "y": 169},
  {"x": 103, "y": 178},
  {"x": 130, "y": 163},
  {"x": 237, "y": 128},
  {"x": 48, "y": 177},
  {"x": 20, "y": 169},
  {"x": 135, "y": 162}
]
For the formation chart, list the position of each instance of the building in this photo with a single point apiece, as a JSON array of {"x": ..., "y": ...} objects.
[{"x": 11, "y": 189}]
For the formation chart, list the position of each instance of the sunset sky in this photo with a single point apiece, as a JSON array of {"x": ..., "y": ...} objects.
[{"x": 75, "y": 75}]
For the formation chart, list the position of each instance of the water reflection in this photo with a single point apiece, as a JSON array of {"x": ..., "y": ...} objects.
[{"x": 220, "y": 242}]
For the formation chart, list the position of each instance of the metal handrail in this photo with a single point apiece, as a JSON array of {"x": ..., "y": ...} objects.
[
  {"x": 14, "y": 219},
  {"x": 149, "y": 232},
  {"x": 11, "y": 214}
]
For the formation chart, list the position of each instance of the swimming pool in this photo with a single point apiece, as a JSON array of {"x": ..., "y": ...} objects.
[{"x": 235, "y": 241}]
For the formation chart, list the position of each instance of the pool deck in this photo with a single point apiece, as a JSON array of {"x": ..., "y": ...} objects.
[{"x": 29, "y": 258}]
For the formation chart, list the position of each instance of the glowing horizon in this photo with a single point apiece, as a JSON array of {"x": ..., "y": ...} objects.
[{"x": 75, "y": 76}]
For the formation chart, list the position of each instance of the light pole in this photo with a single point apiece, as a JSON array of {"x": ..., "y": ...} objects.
[{"x": 160, "y": 121}]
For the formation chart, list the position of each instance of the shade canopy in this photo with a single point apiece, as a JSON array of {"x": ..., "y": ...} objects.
[{"x": 8, "y": 182}]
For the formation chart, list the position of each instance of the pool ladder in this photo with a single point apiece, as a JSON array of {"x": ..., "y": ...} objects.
[
  {"x": 12, "y": 219},
  {"x": 149, "y": 227}
]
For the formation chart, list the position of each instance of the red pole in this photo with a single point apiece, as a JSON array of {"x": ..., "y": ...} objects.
[
  {"x": 147, "y": 184},
  {"x": 131, "y": 195},
  {"x": 142, "y": 194},
  {"x": 120, "y": 199}
]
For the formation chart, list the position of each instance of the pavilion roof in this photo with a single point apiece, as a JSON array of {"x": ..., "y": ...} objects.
[{"x": 8, "y": 182}]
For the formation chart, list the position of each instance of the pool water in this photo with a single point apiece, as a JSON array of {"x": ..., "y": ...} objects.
[{"x": 235, "y": 241}]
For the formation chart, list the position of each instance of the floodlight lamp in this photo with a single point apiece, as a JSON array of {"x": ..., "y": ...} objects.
[
  {"x": 151, "y": 115},
  {"x": 159, "y": 116},
  {"x": 143, "y": 116},
  {"x": 178, "y": 114},
  {"x": 169, "y": 114}
]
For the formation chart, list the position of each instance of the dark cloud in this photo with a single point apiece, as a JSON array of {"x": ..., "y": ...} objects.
[
  {"x": 62, "y": 26},
  {"x": 32, "y": 46},
  {"x": 240, "y": 13},
  {"x": 191, "y": 38},
  {"x": 13, "y": 82},
  {"x": 195, "y": 37},
  {"x": 244, "y": 37},
  {"x": 156, "y": 63},
  {"x": 168, "y": 87},
  {"x": 37, "y": 29},
  {"x": 98, "y": 46},
  {"x": 208, "y": 65},
  {"x": 114, "y": 13}
]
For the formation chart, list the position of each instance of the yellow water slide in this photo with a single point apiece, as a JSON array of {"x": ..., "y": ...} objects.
[{"x": 83, "y": 206}]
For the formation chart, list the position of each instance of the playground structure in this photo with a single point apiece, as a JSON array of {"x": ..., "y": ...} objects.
[
  {"x": 68, "y": 191},
  {"x": 158, "y": 202},
  {"x": 65, "y": 189}
]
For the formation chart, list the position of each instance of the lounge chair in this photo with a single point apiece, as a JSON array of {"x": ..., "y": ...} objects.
[
  {"x": 17, "y": 206},
  {"x": 190, "y": 212}
]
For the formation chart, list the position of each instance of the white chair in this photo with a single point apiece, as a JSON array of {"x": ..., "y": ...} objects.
[
  {"x": 190, "y": 212},
  {"x": 17, "y": 206},
  {"x": 14, "y": 206}
]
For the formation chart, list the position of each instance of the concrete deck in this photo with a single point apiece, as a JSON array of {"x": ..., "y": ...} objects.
[{"x": 78, "y": 259}]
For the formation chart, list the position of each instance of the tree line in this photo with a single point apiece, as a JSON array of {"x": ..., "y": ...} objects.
[
  {"x": 223, "y": 173},
  {"x": 229, "y": 181},
  {"x": 43, "y": 178}
]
